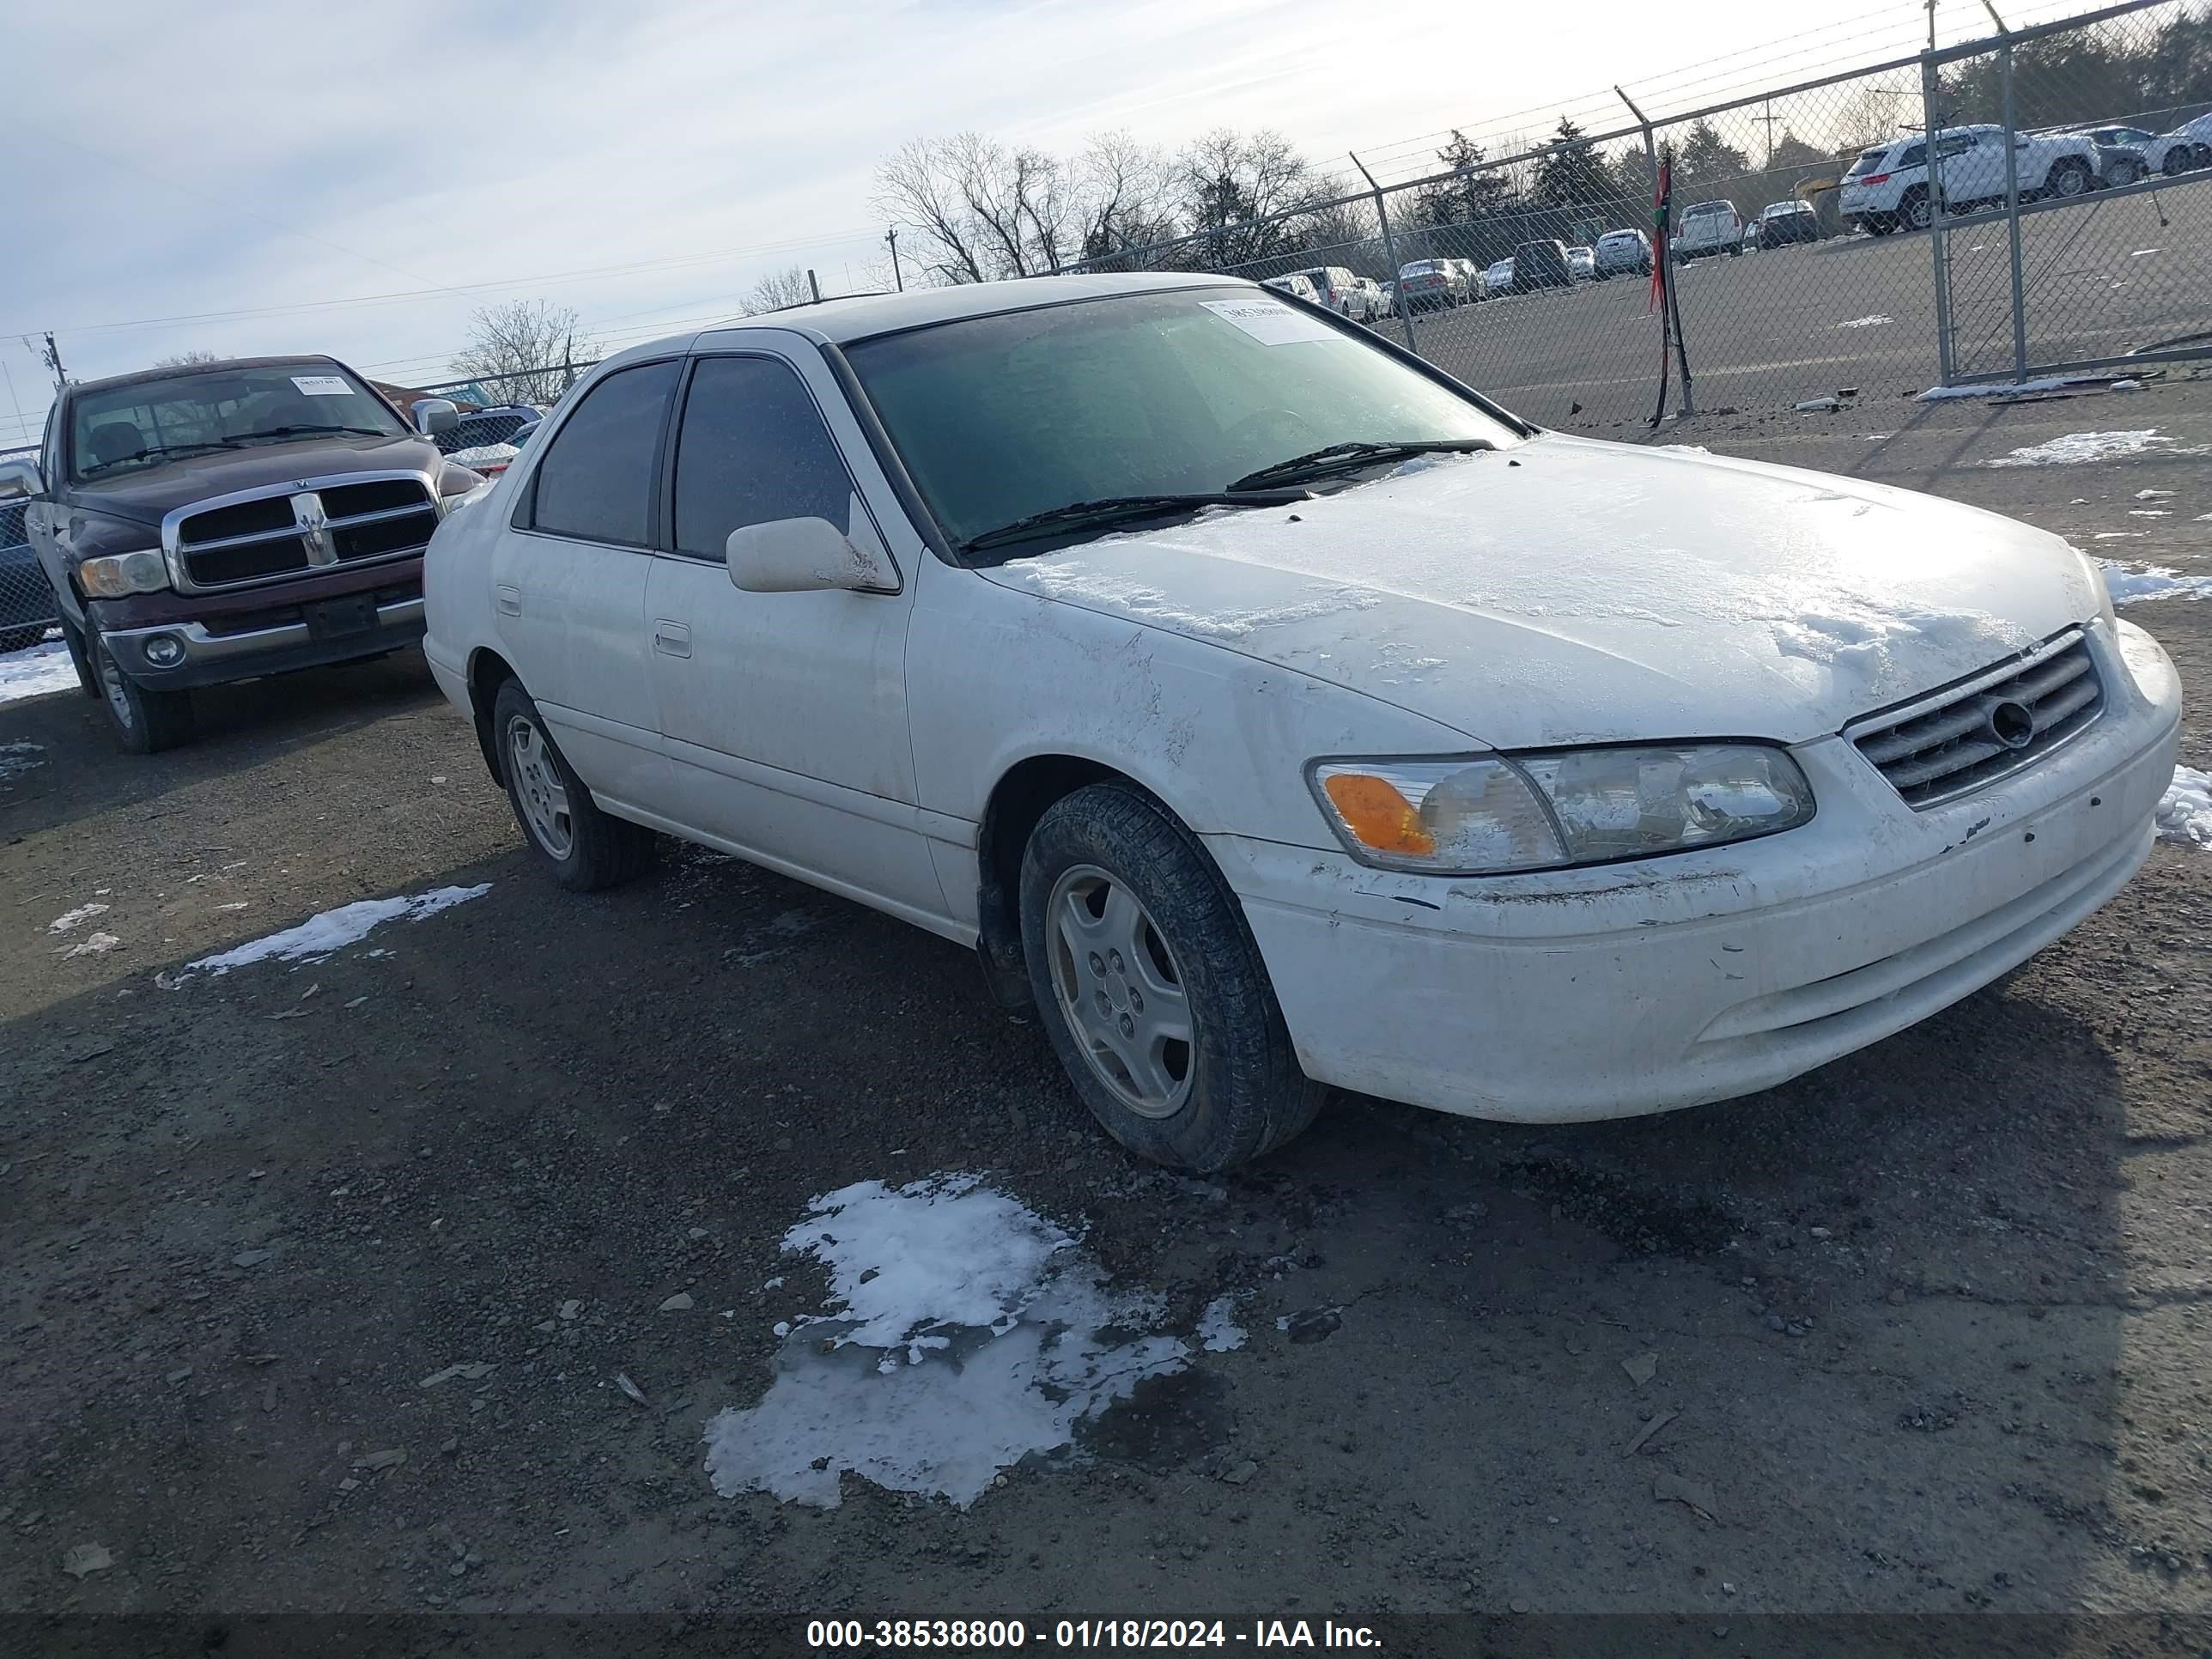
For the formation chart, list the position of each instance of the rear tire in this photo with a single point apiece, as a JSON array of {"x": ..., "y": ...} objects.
[
  {"x": 145, "y": 722},
  {"x": 2123, "y": 174},
  {"x": 1120, "y": 904},
  {"x": 586, "y": 849},
  {"x": 2070, "y": 178},
  {"x": 1914, "y": 213},
  {"x": 2178, "y": 161}
]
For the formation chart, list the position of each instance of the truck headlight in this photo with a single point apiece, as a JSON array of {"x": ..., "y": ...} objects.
[
  {"x": 120, "y": 573},
  {"x": 1549, "y": 809}
]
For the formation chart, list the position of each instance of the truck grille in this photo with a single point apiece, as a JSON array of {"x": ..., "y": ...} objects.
[
  {"x": 1990, "y": 727},
  {"x": 289, "y": 531}
]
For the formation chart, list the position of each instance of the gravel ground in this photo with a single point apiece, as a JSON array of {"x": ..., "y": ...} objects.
[{"x": 1923, "y": 1332}]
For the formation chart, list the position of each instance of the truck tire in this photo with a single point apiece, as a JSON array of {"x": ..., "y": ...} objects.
[
  {"x": 586, "y": 849},
  {"x": 1914, "y": 212},
  {"x": 1151, "y": 987},
  {"x": 145, "y": 722},
  {"x": 87, "y": 681}
]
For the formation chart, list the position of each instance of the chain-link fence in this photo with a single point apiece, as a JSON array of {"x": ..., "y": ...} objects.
[
  {"x": 26, "y": 597},
  {"x": 1819, "y": 243}
]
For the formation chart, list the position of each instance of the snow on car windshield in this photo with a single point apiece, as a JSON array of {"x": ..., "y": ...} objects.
[{"x": 1001, "y": 416}]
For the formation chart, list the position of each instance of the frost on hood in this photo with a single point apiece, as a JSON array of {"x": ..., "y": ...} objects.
[
  {"x": 1099, "y": 587},
  {"x": 967, "y": 1333}
]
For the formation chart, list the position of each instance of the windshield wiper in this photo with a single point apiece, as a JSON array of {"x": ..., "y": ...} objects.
[
  {"x": 152, "y": 450},
  {"x": 298, "y": 430},
  {"x": 1339, "y": 458},
  {"x": 1113, "y": 508}
]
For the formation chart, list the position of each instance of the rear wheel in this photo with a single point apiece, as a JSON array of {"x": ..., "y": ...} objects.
[
  {"x": 145, "y": 722},
  {"x": 1152, "y": 988},
  {"x": 2178, "y": 161},
  {"x": 586, "y": 849},
  {"x": 2071, "y": 178},
  {"x": 1914, "y": 212},
  {"x": 2122, "y": 172}
]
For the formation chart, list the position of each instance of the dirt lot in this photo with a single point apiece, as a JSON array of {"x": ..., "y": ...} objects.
[{"x": 1929, "y": 1327}]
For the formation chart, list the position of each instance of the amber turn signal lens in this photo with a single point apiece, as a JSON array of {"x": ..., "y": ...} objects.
[{"x": 1378, "y": 815}]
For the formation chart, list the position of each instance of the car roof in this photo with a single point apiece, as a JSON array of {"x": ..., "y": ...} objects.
[
  {"x": 138, "y": 376},
  {"x": 836, "y": 322}
]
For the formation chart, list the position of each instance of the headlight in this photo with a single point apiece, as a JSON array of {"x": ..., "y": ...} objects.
[
  {"x": 120, "y": 573},
  {"x": 1556, "y": 807}
]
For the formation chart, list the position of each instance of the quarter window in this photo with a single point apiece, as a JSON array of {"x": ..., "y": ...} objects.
[
  {"x": 752, "y": 449},
  {"x": 596, "y": 482}
]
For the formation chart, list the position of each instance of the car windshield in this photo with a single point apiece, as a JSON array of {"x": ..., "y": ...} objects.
[
  {"x": 1707, "y": 209},
  {"x": 999, "y": 417},
  {"x": 120, "y": 429}
]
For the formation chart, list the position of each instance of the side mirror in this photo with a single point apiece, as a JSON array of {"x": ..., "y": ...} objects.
[
  {"x": 804, "y": 555},
  {"x": 436, "y": 415},
  {"x": 20, "y": 476}
]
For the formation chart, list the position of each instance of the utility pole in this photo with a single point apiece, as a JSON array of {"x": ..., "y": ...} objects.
[
  {"x": 1767, "y": 121},
  {"x": 53, "y": 354},
  {"x": 898, "y": 279},
  {"x": 814, "y": 286}
]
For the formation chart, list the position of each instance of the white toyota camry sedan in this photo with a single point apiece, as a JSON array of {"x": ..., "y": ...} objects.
[{"x": 1274, "y": 712}]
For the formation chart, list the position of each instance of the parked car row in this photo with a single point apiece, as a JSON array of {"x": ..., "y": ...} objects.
[
  {"x": 855, "y": 594},
  {"x": 1892, "y": 186},
  {"x": 1338, "y": 289}
]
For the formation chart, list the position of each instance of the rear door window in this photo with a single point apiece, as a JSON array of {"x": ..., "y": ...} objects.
[{"x": 596, "y": 482}]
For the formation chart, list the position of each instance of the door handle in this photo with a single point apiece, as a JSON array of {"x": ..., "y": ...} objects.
[
  {"x": 671, "y": 639},
  {"x": 508, "y": 600}
]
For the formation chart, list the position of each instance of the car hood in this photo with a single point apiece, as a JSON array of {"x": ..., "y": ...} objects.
[
  {"x": 1572, "y": 590},
  {"x": 145, "y": 496}
]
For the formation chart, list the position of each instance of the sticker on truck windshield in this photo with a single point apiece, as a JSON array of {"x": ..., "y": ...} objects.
[
  {"x": 323, "y": 386},
  {"x": 1269, "y": 321}
]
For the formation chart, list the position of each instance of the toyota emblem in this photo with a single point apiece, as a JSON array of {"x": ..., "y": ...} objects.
[{"x": 2012, "y": 724}]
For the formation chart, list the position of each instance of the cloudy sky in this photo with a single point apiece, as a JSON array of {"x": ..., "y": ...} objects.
[{"x": 266, "y": 176}]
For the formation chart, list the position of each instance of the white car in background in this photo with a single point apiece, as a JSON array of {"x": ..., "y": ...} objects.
[
  {"x": 1543, "y": 779},
  {"x": 1296, "y": 283},
  {"x": 2130, "y": 152},
  {"x": 1582, "y": 264},
  {"x": 1497, "y": 280},
  {"x": 1342, "y": 292},
  {"x": 1889, "y": 187},
  {"x": 1623, "y": 251}
]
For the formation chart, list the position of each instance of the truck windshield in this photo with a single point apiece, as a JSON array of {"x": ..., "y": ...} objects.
[
  {"x": 1001, "y": 417},
  {"x": 150, "y": 423}
]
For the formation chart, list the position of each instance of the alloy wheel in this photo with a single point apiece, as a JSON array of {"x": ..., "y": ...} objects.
[{"x": 539, "y": 789}]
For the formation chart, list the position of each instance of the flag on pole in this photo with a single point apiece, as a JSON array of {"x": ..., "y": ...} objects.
[{"x": 1662, "y": 213}]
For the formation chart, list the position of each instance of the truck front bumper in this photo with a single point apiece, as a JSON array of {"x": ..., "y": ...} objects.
[{"x": 186, "y": 654}]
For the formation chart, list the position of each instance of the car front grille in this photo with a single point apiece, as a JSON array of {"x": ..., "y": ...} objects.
[
  {"x": 290, "y": 532},
  {"x": 1990, "y": 725}
]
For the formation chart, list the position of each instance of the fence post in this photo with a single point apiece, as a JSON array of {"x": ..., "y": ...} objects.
[
  {"x": 1938, "y": 238},
  {"x": 2012, "y": 209},
  {"x": 1390, "y": 252},
  {"x": 1662, "y": 263}
]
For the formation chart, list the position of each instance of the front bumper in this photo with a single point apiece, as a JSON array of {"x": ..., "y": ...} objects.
[
  {"x": 1644, "y": 987},
  {"x": 211, "y": 659}
]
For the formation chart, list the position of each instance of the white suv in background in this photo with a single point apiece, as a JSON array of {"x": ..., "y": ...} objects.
[
  {"x": 1343, "y": 293},
  {"x": 1888, "y": 188},
  {"x": 1708, "y": 228}
]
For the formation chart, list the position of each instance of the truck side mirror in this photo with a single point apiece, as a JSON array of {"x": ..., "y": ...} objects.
[{"x": 436, "y": 415}]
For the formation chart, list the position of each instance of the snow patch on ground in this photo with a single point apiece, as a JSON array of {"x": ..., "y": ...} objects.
[
  {"x": 1076, "y": 582},
  {"x": 1217, "y": 1329},
  {"x": 1938, "y": 394},
  {"x": 15, "y": 757},
  {"x": 2154, "y": 494},
  {"x": 2151, "y": 581},
  {"x": 94, "y": 945},
  {"x": 36, "y": 671},
  {"x": 69, "y": 919},
  {"x": 968, "y": 1332},
  {"x": 1874, "y": 321},
  {"x": 2080, "y": 448},
  {"x": 2185, "y": 815},
  {"x": 333, "y": 930}
]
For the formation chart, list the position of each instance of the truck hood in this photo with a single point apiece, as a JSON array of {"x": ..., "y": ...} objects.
[
  {"x": 145, "y": 496},
  {"x": 1572, "y": 591}
]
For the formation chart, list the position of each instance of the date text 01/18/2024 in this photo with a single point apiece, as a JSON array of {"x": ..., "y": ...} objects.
[{"x": 1121, "y": 1633}]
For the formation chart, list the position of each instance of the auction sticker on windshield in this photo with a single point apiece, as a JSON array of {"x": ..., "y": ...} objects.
[
  {"x": 1269, "y": 322},
  {"x": 323, "y": 386}
]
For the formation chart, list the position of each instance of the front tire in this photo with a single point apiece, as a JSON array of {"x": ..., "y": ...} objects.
[
  {"x": 2070, "y": 178},
  {"x": 145, "y": 722},
  {"x": 1152, "y": 988},
  {"x": 586, "y": 849},
  {"x": 1914, "y": 212}
]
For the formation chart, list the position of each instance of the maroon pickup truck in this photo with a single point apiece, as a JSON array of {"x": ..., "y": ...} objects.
[{"x": 227, "y": 520}]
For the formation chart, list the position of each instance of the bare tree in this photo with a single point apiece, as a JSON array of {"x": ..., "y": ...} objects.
[
  {"x": 776, "y": 291},
  {"x": 977, "y": 211},
  {"x": 1124, "y": 191},
  {"x": 192, "y": 359},
  {"x": 1236, "y": 187},
  {"x": 528, "y": 340},
  {"x": 916, "y": 188}
]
